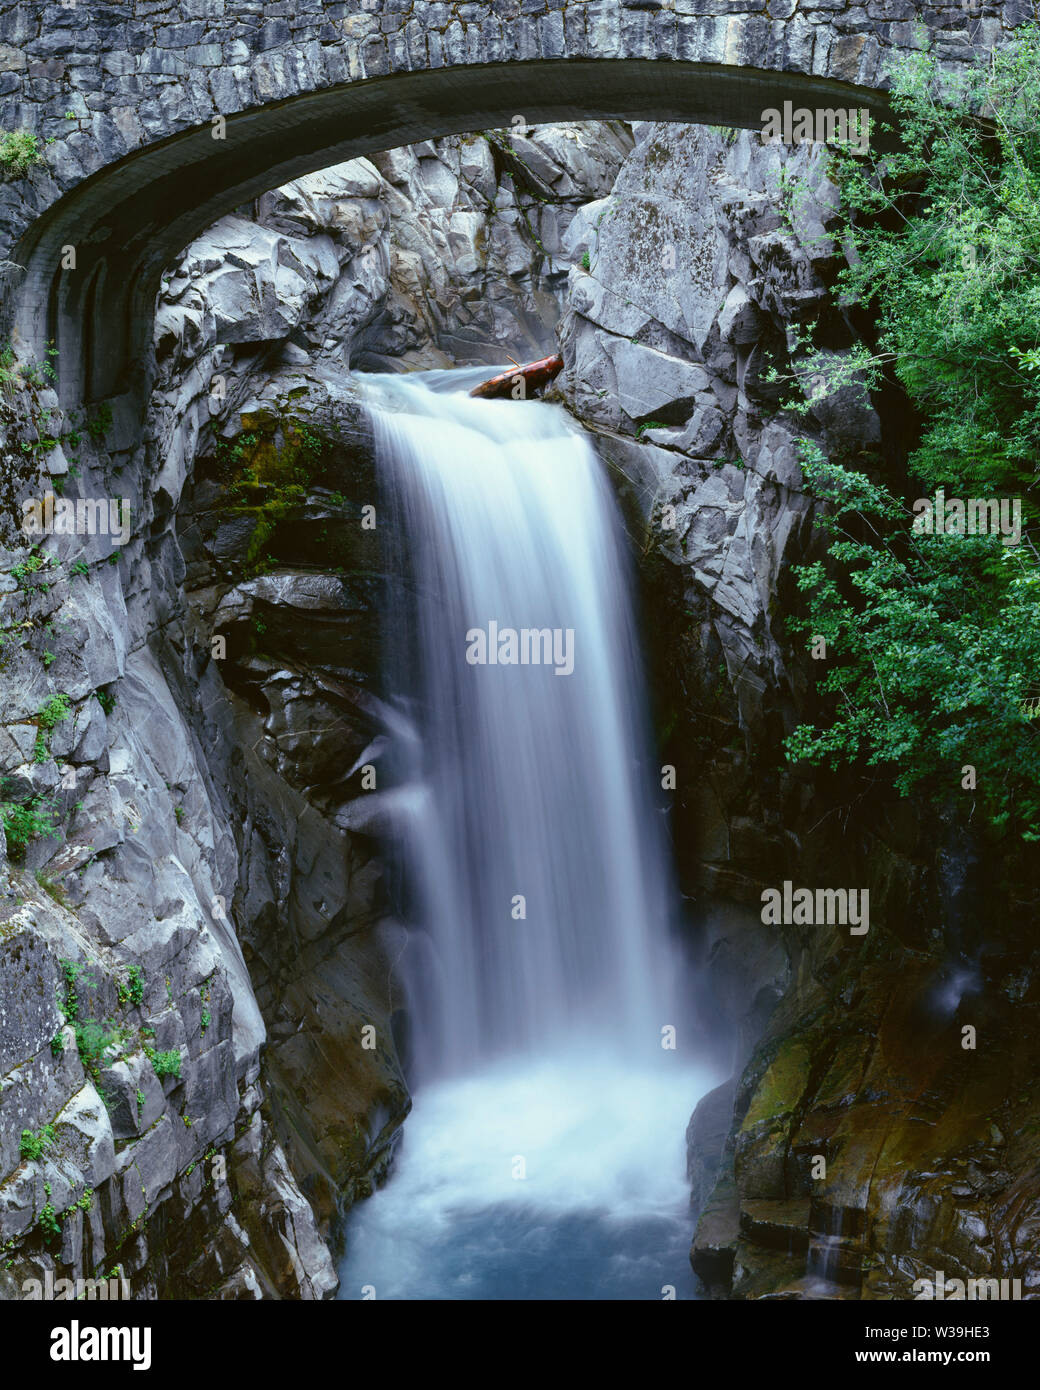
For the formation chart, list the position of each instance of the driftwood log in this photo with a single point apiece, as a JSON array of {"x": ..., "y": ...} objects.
[{"x": 534, "y": 375}]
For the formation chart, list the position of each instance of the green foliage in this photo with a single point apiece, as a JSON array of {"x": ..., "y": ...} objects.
[
  {"x": 25, "y": 821},
  {"x": 54, "y": 712},
  {"x": 57, "y": 1045},
  {"x": 105, "y": 700},
  {"x": 30, "y": 566},
  {"x": 132, "y": 991},
  {"x": 100, "y": 422},
  {"x": 19, "y": 152},
  {"x": 69, "y": 1003},
  {"x": 96, "y": 1042},
  {"x": 8, "y": 370},
  {"x": 271, "y": 465},
  {"x": 73, "y": 974},
  {"x": 49, "y": 1222},
  {"x": 34, "y": 1145},
  {"x": 933, "y": 641},
  {"x": 164, "y": 1063},
  {"x": 586, "y": 263},
  {"x": 52, "y": 889},
  {"x": 948, "y": 253}
]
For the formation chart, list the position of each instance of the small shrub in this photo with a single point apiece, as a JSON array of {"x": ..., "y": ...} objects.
[
  {"x": 55, "y": 711},
  {"x": 19, "y": 152},
  {"x": 132, "y": 992},
  {"x": 25, "y": 821},
  {"x": 100, "y": 422},
  {"x": 165, "y": 1063},
  {"x": 50, "y": 1222},
  {"x": 33, "y": 1145},
  {"x": 94, "y": 1042}
]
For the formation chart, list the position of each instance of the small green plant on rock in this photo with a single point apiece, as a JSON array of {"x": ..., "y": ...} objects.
[
  {"x": 132, "y": 990},
  {"x": 57, "y": 709},
  {"x": 34, "y": 1144},
  {"x": 52, "y": 889},
  {"x": 100, "y": 422},
  {"x": 50, "y": 1222},
  {"x": 25, "y": 821},
  {"x": 19, "y": 152},
  {"x": 164, "y": 1063},
  {"x": 95, "y": 1042}
]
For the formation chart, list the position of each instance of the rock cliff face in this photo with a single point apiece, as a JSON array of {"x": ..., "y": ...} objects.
[
  {"x": 196, "y": 1030},
  {"x": 197, "y": 929},
  {"x": 690, "y": 280}
]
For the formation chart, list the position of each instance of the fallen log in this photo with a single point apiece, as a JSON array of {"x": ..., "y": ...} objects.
[{"x": 533, "y": 376}]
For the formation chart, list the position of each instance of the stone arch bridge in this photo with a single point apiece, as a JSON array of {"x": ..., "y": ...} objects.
[{"x": 156, "y": 117}]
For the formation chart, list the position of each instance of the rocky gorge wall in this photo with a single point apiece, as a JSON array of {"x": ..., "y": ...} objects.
[
  {"x": 196, "y": 923},
  {"x": 215, "y": 886},
  {"x": 690, "y": 283}
]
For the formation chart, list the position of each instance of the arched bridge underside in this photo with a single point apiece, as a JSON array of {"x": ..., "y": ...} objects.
[{"x": 161, "y": 115}]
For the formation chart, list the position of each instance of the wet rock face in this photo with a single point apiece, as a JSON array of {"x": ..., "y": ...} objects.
[
  {"x": 422, "y": 257},
  {"x": 221, "y": 668},
  {"x": 860, "y": 1145},
  {"x": 432, "y": 255},
  {"x": 214, "y": 878}
]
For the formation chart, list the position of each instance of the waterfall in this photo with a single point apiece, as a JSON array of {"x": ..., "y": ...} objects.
[{"x": 540, "y": 967}]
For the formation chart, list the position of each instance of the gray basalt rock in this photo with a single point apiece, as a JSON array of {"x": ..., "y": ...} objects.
[
  {"x": 213, "y": 881},
  {"x": 695, "y": 263}
]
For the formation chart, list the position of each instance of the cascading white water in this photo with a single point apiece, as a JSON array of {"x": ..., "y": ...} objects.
[{"x": 540, "y": 970}]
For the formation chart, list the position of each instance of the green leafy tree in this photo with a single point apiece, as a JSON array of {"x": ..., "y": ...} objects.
[
  {"x": 934, "y": 640},
  {"x": 934, "y": 646}
]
